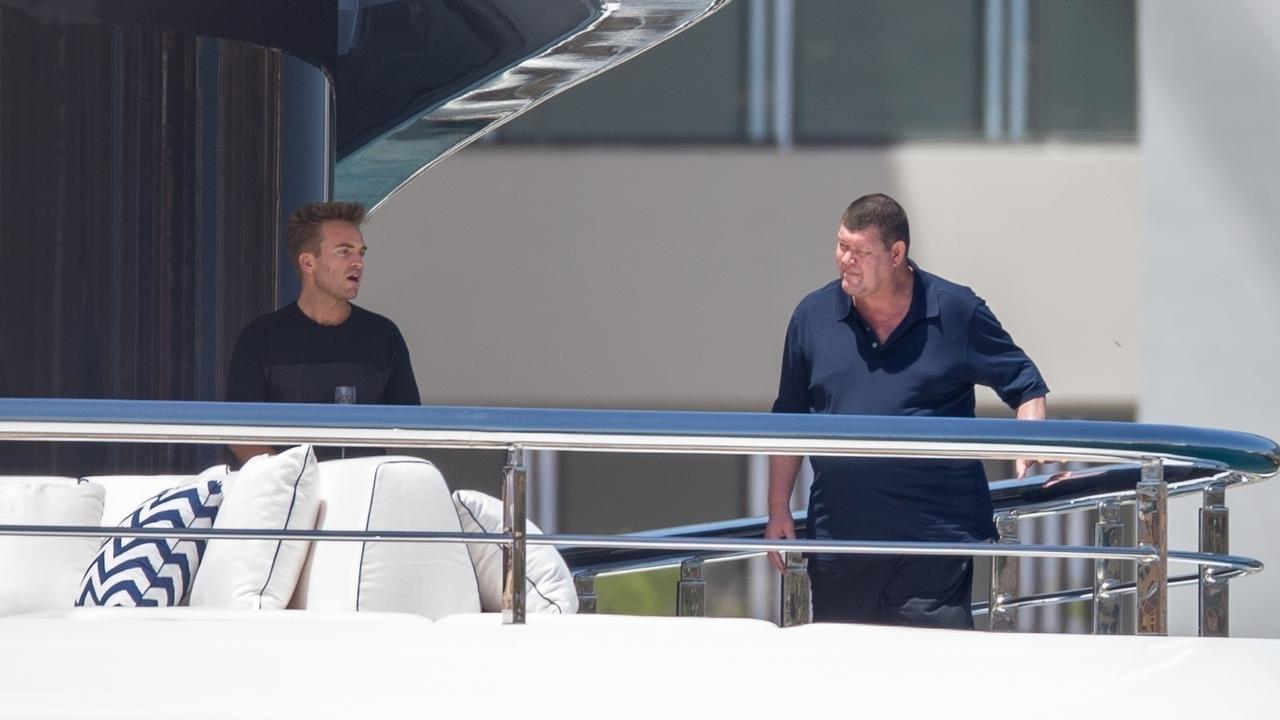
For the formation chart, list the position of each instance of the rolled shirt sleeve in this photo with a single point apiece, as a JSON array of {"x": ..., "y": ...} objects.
[{"x": 997, "y": 362}]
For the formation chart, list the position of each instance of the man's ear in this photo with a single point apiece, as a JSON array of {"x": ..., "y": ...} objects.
[
  {"x": 899, "y": 251},
  {"x": 306, "y": 262}
]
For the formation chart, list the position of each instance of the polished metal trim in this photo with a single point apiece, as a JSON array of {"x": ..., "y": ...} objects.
[
  {"x": 629, "y": 431},
  {"x": 691, "y": 590},
  {"x": 742, "y": 546},
  {"x": 1108, "y": 532},
  {"x": 1062, "y": 597},
  {"x": 796, "y": 607},
  {"x": 1152, "y": 523},
  {"x": 1004, "y": 577},
  {"x": 515, "y": 518},
  {"x": 584, "y": 583},
  {"x": 383, "y": 167},
  {"x": 1215, "y": 599}
]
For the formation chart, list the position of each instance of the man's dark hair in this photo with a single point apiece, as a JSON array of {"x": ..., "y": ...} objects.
[
  {"x": 882, "y": 213},
  {"x": 305, "y": 222}
]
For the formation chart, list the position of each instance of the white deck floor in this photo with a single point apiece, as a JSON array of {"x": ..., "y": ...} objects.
[{"x": 180, "y": 663}]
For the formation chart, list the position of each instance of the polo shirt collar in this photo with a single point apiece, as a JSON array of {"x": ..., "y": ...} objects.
[{"x": 924, "y": 299}]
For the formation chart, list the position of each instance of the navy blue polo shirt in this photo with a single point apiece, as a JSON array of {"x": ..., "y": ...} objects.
[{"x": 948, "y": 342}]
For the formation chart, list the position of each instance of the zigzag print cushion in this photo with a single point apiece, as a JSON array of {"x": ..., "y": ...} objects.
[{"x": 153, "y": 571}]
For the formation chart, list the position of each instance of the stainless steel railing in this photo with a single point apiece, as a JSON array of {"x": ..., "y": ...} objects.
[{"x": 1188, "y": 453}]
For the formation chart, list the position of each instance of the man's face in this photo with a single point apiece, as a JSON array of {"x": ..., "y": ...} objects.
[
  {"x": 865, "y": 265},
  {"x": 336, "y": 268}
]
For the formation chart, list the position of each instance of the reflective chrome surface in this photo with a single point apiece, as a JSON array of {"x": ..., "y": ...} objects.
[
  {"x": 623, "y": 29},
  {"x": 1214, "y": 601},
  {"x": 630, "y": 431},
  {"x": 1152, "y": 523},
  {"x": 797, "y": 595},
  {"x": 691, "y": 591},
  {"x": 514, "y": 524},
  {"x": 584, "y": 583},
  {"x": 1004, "y": 577},
  {"x": 1108, "y": 532}
]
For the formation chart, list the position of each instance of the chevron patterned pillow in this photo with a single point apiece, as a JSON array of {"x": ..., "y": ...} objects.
[{"x": 154, "y": 571}]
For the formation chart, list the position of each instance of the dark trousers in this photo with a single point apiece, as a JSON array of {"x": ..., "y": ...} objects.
[{"x": 913, "y": 590}]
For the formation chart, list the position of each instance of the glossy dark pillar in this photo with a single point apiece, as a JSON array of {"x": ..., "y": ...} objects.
[{"x": 143, "y": 183}]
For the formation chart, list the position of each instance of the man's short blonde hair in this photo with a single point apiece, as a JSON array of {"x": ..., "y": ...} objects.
[{"x": 305, "y": 222}]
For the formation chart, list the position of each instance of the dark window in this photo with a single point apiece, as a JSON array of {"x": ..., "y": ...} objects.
[
  {"x": 884, "y": 70},
  {"x": 1083, "y": 72}
]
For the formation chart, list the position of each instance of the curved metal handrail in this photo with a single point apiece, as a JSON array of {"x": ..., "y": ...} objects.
[{"x": 637, "y": 431}]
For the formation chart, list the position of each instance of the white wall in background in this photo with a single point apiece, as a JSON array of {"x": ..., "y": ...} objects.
[
  {"x": 1210, "y": 129},
  {"x": 664, "y": 277}
]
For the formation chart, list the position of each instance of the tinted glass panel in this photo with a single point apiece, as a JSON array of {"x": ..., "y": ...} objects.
[
  {"x": 874, "y": 70},
  {"x": 1083, "y": 73},
  {"x": 690, "y": 88}
]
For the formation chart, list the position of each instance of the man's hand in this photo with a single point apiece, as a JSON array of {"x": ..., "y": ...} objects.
[
  {"x": 1033, "y": 409},
  {"x": 781, "y": 527},
  {"x": 782, "y": 480}
]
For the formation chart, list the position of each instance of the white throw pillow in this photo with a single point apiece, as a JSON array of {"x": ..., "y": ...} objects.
[
  {"x": 155, "y": 571},
  {"x": 39, "y": 573},
  {"x": 271, "y": 492},
  {"x": 549, "y": 583}
]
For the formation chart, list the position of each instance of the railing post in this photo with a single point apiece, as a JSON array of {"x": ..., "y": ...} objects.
[
  {"x": 1153, "y": 575},
  {"x": 1108, "y": 532},
  {"x": 1214, "y": 598},
  {"x": 585, "y": 585},
  {"x": 514, "y": 523},
  {"x": 691, "y": 591},
  {"x": 797, "y": 604},
  {"x": 1004, "y": 577}
]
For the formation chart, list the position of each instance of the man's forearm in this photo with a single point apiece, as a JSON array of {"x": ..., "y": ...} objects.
[
  {"x": 1033, "y": 409},
  {"x": 782, "y": 481}
]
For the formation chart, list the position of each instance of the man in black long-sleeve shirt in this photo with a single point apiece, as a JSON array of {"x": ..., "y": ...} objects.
[{"x": 306, "y": 350}]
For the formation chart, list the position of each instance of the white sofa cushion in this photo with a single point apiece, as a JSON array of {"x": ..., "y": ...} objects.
[
  {"x": 155, "y": 571},
  {"x": 549, "y": 583},
  {"x": 126, "y": 492},
  {"x": 271, "y": 492},
  {"x": 387, "y": 493},
  {"x": 39, "y": 573}
]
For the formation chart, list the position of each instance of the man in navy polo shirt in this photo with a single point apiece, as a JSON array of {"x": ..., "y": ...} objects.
[{"x": 887, "y": 338}]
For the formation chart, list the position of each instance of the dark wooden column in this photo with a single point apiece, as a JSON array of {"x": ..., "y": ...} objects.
[{"x": 140, "y": 221}]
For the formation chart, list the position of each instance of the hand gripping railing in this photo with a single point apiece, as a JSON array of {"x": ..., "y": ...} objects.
[{"x": 1158, "y": 448}]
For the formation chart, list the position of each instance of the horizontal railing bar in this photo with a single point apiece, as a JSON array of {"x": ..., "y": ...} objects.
[
  {"x": 741, "y": 545},
  {"x": 627, "y": 431},
  {"x": 582, "y": 442},
  {"x": 253, "y": 534},
  {"x": 1083, "y": 489},
  {"x": 666, "y": 563},
  {"x": 847, "y": 547},
  {"x": 1063, "y": 597}
]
